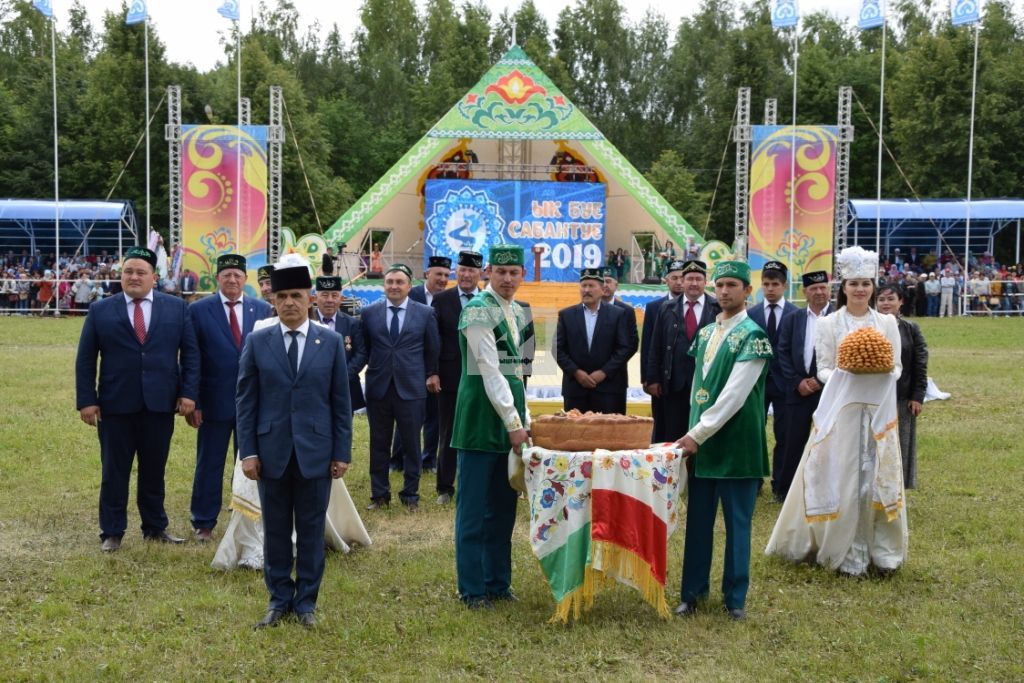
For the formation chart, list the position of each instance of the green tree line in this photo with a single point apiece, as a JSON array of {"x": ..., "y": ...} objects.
[{"x": 664, "y": 95}]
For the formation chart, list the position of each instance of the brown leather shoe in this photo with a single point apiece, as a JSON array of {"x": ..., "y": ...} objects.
[
  {"x": 204, "y": 535},
  {"x": 111, "y": 544},
  {"x": 164, "y": 537}
]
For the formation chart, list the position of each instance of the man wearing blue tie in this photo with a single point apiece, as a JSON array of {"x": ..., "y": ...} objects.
[
  {"x": 403, "y": 345},
  {"x": 222, "y": 322},
  {"x": 769, "y": 314},
  {"x": 330, "y": 315},
  {"x": 294, "y": 435},
  {"x": 148, "y": 370}
]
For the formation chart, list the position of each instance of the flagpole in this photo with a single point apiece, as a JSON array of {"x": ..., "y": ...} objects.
[
  {"x": 238, "y": 144},
  {"x": 56, "y": 160},
  {"x": 146, "y": 51},
  {"x": 970, "y": 163},
  {"x": 792, "y": 158},
  {"x": 881, "y": 121}
]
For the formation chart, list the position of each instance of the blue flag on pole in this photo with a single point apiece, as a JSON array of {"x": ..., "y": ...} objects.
[
  {"x": 137, "y": 12},
  {"x": 965, "y": 11},
  {"x": 872, "y": 14},
  {"x": 45, "y": 7},
  {"x": 229, "y": 10},
  {"x": 784, "y": 14}
]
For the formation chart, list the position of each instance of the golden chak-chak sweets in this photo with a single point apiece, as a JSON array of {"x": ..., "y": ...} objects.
[{"x": 865, "y": 351}]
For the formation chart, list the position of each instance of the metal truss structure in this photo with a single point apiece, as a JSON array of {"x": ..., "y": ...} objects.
[
  {"x": 845, "y": 137},
  {"x": 275, "y": 136},
  {"x": 172, "y": 133},
  {"x": 742, "y": 137},
  {"x": 771, "y": 112},
  {"x": 245, "y": 112}
]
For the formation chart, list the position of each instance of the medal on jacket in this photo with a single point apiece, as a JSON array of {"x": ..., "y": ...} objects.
[
  {"x": 702, "y": 396},
  {"x": 348, "y": 344}
]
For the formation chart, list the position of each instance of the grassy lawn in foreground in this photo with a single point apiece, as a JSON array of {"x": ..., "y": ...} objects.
[{"x": 149, "y": 612}]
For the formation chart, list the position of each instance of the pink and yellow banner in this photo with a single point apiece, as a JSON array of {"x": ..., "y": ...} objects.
[
  {"x": 808, "y": 246},
  {"x": 224, "y": 199}
]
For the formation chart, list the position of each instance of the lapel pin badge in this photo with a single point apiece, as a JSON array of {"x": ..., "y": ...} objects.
[{"x": 316, "y": 341}]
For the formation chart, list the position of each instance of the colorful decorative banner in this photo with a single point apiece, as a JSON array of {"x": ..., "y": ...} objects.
[
  {"x": 965, "y": 12},
  {"x": 213, "y": 223},
  {"x": 785, "y": 14},
  {"x": 602, "y": 517},
  {"x": 872, "y": 14},
  {"x": 565, "y": 220},
  {"x": 808, "y": 246}
]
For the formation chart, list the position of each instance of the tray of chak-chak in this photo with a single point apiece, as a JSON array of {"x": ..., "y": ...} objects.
[
  {"x": 865, "y": 351},
  {"x": 576, "y": 431}
]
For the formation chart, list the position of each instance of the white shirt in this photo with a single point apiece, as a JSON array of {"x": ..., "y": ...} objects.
[
  {"x": 590, "y": 320},
  {"x": 780, "y": 305},
  {"x": 400, "y": 313},
  {"x": 698, "y": 307},
  {"x": 464, "y": 296},
  {"x": 303, "y": 331},
  {"x": 147, "y": 309},
  {"x": 481, "y": 343},
  {"x": 809, "y": 331},
  {"x": 739, "y": 385},
  {"x": 227, "y": 310},
  {"x": 323, "y": 321}
]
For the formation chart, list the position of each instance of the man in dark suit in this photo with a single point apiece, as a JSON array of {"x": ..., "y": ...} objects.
[
  {"x": 592, "y": 346},
  {"x": 651, "y": 311},
  {"x": 611, "y": 285},
  {"x": 148, "y": 370},
  {"x": 328, "y": 314},
  {"x": 447, "y": 307},
  {"x": 671, "y": 367},
  {"x": 402, "y": 342},
  {"x": 435, "y": 280},
  {"x": 769, "y": 314},
  {"x": 294, "y": 435},
  {"x": 222, "y": 322},
  {"x": 799, "y": 365},
  {"x": 327, "y": 262}
]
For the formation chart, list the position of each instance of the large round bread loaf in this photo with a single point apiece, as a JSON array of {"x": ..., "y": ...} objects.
[{"x": 575, "y": 431}]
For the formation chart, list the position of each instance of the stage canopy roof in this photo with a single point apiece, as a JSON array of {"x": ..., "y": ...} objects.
[
  {"x": 86, "y": 226},
  {"x": 931, "y": 223}
]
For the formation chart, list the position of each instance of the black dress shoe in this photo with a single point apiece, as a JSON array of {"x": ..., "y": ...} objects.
[
  {"x": 412, "y": 506},
  {"x": 110, "y": 544},
  {"x": 273, "y": 617},
  {"x": 686, "y": 609},
  {"x": 204, "y": 535},
  {"x": 378, "y": 504},
  {"x": 307, "y": 619},
  {"x": 164, "y": 537},
  {"x": 479, "y": 603},
  {"x": 444, "y": 499},
  {"x": 736, "y": 614},
  {"x": 504, "y": 597}
]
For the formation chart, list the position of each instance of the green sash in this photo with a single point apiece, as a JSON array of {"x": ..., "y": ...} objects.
[
  {"x": 477, "y": 427},
  {"x": 739, "y": 450}
]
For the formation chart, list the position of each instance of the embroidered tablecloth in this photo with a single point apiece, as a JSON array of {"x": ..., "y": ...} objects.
[{"x": 603, "y": 517}]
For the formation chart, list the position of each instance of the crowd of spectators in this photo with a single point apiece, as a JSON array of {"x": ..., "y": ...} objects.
[
  {"x": 940, "y": 286},
  {"x": 29, "y": 284}
]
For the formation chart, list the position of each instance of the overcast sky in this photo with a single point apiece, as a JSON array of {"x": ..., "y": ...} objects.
[{"x": 189, "y": 28}]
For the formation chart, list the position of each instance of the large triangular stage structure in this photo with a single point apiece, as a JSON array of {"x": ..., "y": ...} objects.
[{"x": 514, "y": 121}]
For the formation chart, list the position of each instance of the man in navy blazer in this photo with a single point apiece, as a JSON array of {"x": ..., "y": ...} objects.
[
  {"x": 651, "y": 311},
  {"x": 592, "y": 347},
  {"x": 148, "y": 370},
  {"x": 402, "y": 341},
  {"x": 222, "y": 322},
  {"x": 799, "y": 365},
  {"x": 435, "y": 280},
  {"x": 294, "y": 435},
  {"x": 769, "y": 314},
  {"x": 670, "y": 366},
  {"x": 328, "y": 314}
]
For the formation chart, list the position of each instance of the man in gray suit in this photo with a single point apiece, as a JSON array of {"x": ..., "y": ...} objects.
[
  {"x": 294, "y": 435},
  {"x": 403, "y": 345}
]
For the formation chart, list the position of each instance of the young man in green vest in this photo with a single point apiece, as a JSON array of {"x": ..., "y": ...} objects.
[
  {"x": 490, "y": 420},
  {"x": 726, "y": 442}
]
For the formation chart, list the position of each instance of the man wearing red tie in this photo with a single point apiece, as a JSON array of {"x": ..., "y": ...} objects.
[
  {"x": 670, "y": 365},
  {"x": 222, "y": 322},
  {"x": 145, "y": 349}
]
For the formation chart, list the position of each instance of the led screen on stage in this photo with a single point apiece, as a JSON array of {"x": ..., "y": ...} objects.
[{"x": 565, "y": 220}]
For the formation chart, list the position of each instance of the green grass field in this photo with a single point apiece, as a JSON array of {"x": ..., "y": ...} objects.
[{"x": 68, "y": 612}]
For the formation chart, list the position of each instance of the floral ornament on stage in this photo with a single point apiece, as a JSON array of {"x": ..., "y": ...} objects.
[
  {"x": 515, "y": 99},
  {"x": 217, "y": 242},
  {"x": 311, "y": 247},
  {"x": 799, "y": 246}
]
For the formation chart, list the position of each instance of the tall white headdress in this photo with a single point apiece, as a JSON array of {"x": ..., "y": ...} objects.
[{"x": 856, "y": 263}]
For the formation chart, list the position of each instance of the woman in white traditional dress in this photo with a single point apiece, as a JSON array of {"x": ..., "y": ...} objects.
[
  {"x": 242, "y": 544},
  {"x": 845, "y": 509}
]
